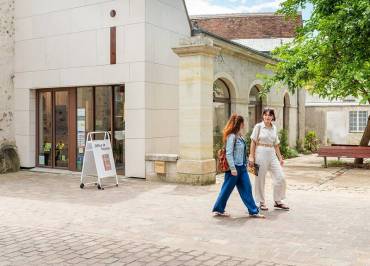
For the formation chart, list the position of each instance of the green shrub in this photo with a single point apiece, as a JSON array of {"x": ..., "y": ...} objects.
[
  {"x": 311, "y": 141},
  {"x": 284, "y": 146},
  {"x": 9, "y": 160},
  {"x": 248, "y": 141},
  {"x": 285, "y": 150}
]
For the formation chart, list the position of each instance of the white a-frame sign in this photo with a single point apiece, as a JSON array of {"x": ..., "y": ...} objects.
[{"x": 98, "y": 159}]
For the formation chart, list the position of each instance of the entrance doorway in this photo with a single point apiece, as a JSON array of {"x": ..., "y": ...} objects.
[
  {"x": 65, "y": 116},
  {"x": 54, "y": 134}
]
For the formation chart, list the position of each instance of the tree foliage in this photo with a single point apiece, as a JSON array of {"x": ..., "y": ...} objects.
[{"x": 330, "y": 55}]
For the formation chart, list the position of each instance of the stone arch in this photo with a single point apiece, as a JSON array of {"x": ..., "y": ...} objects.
[
  {"x": 224, "y": 91},
  {"x": 230, "y": 82},
  {"x": 255, "y": 104}
]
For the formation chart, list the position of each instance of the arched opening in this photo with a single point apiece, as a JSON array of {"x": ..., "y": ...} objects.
[
  {"x": 255, "y": 107},
  {"x": 286, "y": 111},
  {"x": 221, "y": 111}
]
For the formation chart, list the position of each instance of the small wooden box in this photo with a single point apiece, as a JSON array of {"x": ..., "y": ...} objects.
[{"x": 160, "y": 167}]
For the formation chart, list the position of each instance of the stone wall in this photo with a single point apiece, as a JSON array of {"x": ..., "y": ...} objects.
[
  {"x": 331, "y": 123},
  {"x": 6, "y": 69}
]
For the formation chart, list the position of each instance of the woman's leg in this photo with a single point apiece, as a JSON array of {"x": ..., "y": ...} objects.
[
  {"x": 262, "y": 159},
  {"x": 227, "y": 188},
  {"x": 278, "y": 180},
  {"x": 245, "y": 190}
]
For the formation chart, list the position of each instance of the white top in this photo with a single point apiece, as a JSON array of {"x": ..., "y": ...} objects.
[{"x": 268, "y": 135}]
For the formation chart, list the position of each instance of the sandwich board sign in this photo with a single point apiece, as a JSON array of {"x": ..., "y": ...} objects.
[{"x": 98, "y": 159}]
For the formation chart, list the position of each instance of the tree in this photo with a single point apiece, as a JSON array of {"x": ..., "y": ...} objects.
[{"x": 330, "y": 55}]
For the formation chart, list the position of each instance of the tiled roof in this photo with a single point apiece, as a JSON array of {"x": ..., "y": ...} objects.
[{"x": 248, "y": 25}]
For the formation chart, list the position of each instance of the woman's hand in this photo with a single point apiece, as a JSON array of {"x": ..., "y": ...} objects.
[
  {"x": 251, "y": 161},
  {"x": 234, "y": 172},
  {"x": 281, "y": 161}
]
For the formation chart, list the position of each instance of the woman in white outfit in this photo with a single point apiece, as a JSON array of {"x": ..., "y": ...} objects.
[{"x": 265, "y": 152}]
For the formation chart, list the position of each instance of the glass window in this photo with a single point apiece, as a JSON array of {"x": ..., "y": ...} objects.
[
  {"x": 103, "y": 103},
  {"x": 357, "y": 121},
  {"x": 119, "y": 128},
  {"x": 45, "y": 129},
  {"x": 85, "y": 120},
  {"x": 61, "y": 129}
]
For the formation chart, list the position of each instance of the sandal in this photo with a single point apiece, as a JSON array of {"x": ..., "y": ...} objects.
[
  {"x": 281, "y": 206},
  {"x": 223, "y": 214},
  {"x": 263, "y": 207},
  {"x": 257, "y": 215}
]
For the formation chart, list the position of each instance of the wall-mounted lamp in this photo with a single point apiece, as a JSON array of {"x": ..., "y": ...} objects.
[{"x": 113, "y": 13}]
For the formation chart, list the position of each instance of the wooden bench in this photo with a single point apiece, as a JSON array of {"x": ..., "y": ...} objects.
[{"x": 348, "y": 151}]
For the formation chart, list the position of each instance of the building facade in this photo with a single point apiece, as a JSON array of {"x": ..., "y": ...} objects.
[
  {"x": 338, "y": 121},
  {"x": 135, "y": 68}
]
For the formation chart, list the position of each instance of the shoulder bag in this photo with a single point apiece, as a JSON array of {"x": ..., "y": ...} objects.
[
  {"x": 222, "y": 165},
  {"x": 253, "y": 169}
]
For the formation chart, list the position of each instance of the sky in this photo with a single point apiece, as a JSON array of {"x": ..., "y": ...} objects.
[{"x": 203, "y": 7}]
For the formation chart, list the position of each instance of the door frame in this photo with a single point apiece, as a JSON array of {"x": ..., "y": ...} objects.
[{"x": 72, "y": 124}]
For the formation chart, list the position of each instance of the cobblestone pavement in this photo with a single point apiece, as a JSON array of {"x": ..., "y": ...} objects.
[
  {"x": 24, "y": 246},
  {"x": 47, "y": 219}
]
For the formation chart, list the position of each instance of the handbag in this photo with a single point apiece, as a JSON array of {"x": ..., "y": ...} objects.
[
  {"x": 254, "y": 168},
  {"x": 222, "y": 164}
]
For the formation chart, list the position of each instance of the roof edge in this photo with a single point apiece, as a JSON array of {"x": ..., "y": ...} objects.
[
  {"x": 200, "y": 31},
  {"x": 226, "y": 15},
  {"x": 187, "y": 14}
]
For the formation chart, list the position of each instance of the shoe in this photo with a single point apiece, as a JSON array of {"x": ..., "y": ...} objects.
[
  {"x": 257, "y": 215},
  {"x": 281, "y": 206},
  {"x": 223, "y": 214},
  {"x": 263, "y": 207}
]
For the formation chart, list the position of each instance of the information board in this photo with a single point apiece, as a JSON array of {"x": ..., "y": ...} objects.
[{"x": 98, "y": 159}]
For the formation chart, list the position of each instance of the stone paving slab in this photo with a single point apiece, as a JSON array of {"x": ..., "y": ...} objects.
[
  {"x": 13, "y": 241},
  {"x": 327, "y": 225}
]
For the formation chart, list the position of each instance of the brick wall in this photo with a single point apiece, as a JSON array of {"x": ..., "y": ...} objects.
[{"x": 249, "y": 26}]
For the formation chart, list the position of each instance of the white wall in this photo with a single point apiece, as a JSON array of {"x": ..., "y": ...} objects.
[
  {"x": 265, "y": 45},
  {"x": 66, "y": 43},
  {"x": 154, "y": 99}
]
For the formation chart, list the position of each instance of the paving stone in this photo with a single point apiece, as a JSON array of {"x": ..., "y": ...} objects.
[{"x": 37, "y": 226}]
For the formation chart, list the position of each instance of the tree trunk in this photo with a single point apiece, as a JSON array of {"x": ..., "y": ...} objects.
[{"x": 364, "y": 140}]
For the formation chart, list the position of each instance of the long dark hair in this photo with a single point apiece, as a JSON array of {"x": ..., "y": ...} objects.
[{"x": 232, "y": 126}]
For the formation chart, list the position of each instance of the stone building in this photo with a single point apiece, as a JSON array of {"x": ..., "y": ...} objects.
[
  {"x": 337, "y": 121},
  {"x": 135, "y": 68}
]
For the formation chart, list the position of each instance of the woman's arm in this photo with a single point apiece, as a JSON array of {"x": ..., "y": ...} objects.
[
  {"x": 230, "y": 143},
  {"x": 252, "y": 149},
  {"x": 252, "y": 152},
  {"x": 278, "y": 153}
]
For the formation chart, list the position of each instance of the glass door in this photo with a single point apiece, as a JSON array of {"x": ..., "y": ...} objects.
[
  {"x": 101, "y": 108},
  {"x": 55, "y": 128},
  {"x": 119, "y": 128},
  {"x": 45, "y": 130},
  {"x": 61, "y": 129}
]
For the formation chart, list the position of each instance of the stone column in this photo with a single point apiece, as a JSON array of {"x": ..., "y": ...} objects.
[
  {"x": 196, "y": 164},
  {"x": 301, "y": 115}
]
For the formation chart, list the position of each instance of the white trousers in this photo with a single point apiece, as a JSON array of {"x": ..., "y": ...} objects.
[{"x": 268, "y": 161}]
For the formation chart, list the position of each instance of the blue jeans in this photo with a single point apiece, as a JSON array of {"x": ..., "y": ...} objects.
[{"x": 242, "y": 182}]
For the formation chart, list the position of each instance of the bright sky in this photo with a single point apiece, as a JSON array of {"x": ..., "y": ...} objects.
[{"x": 202, "y": 7}]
